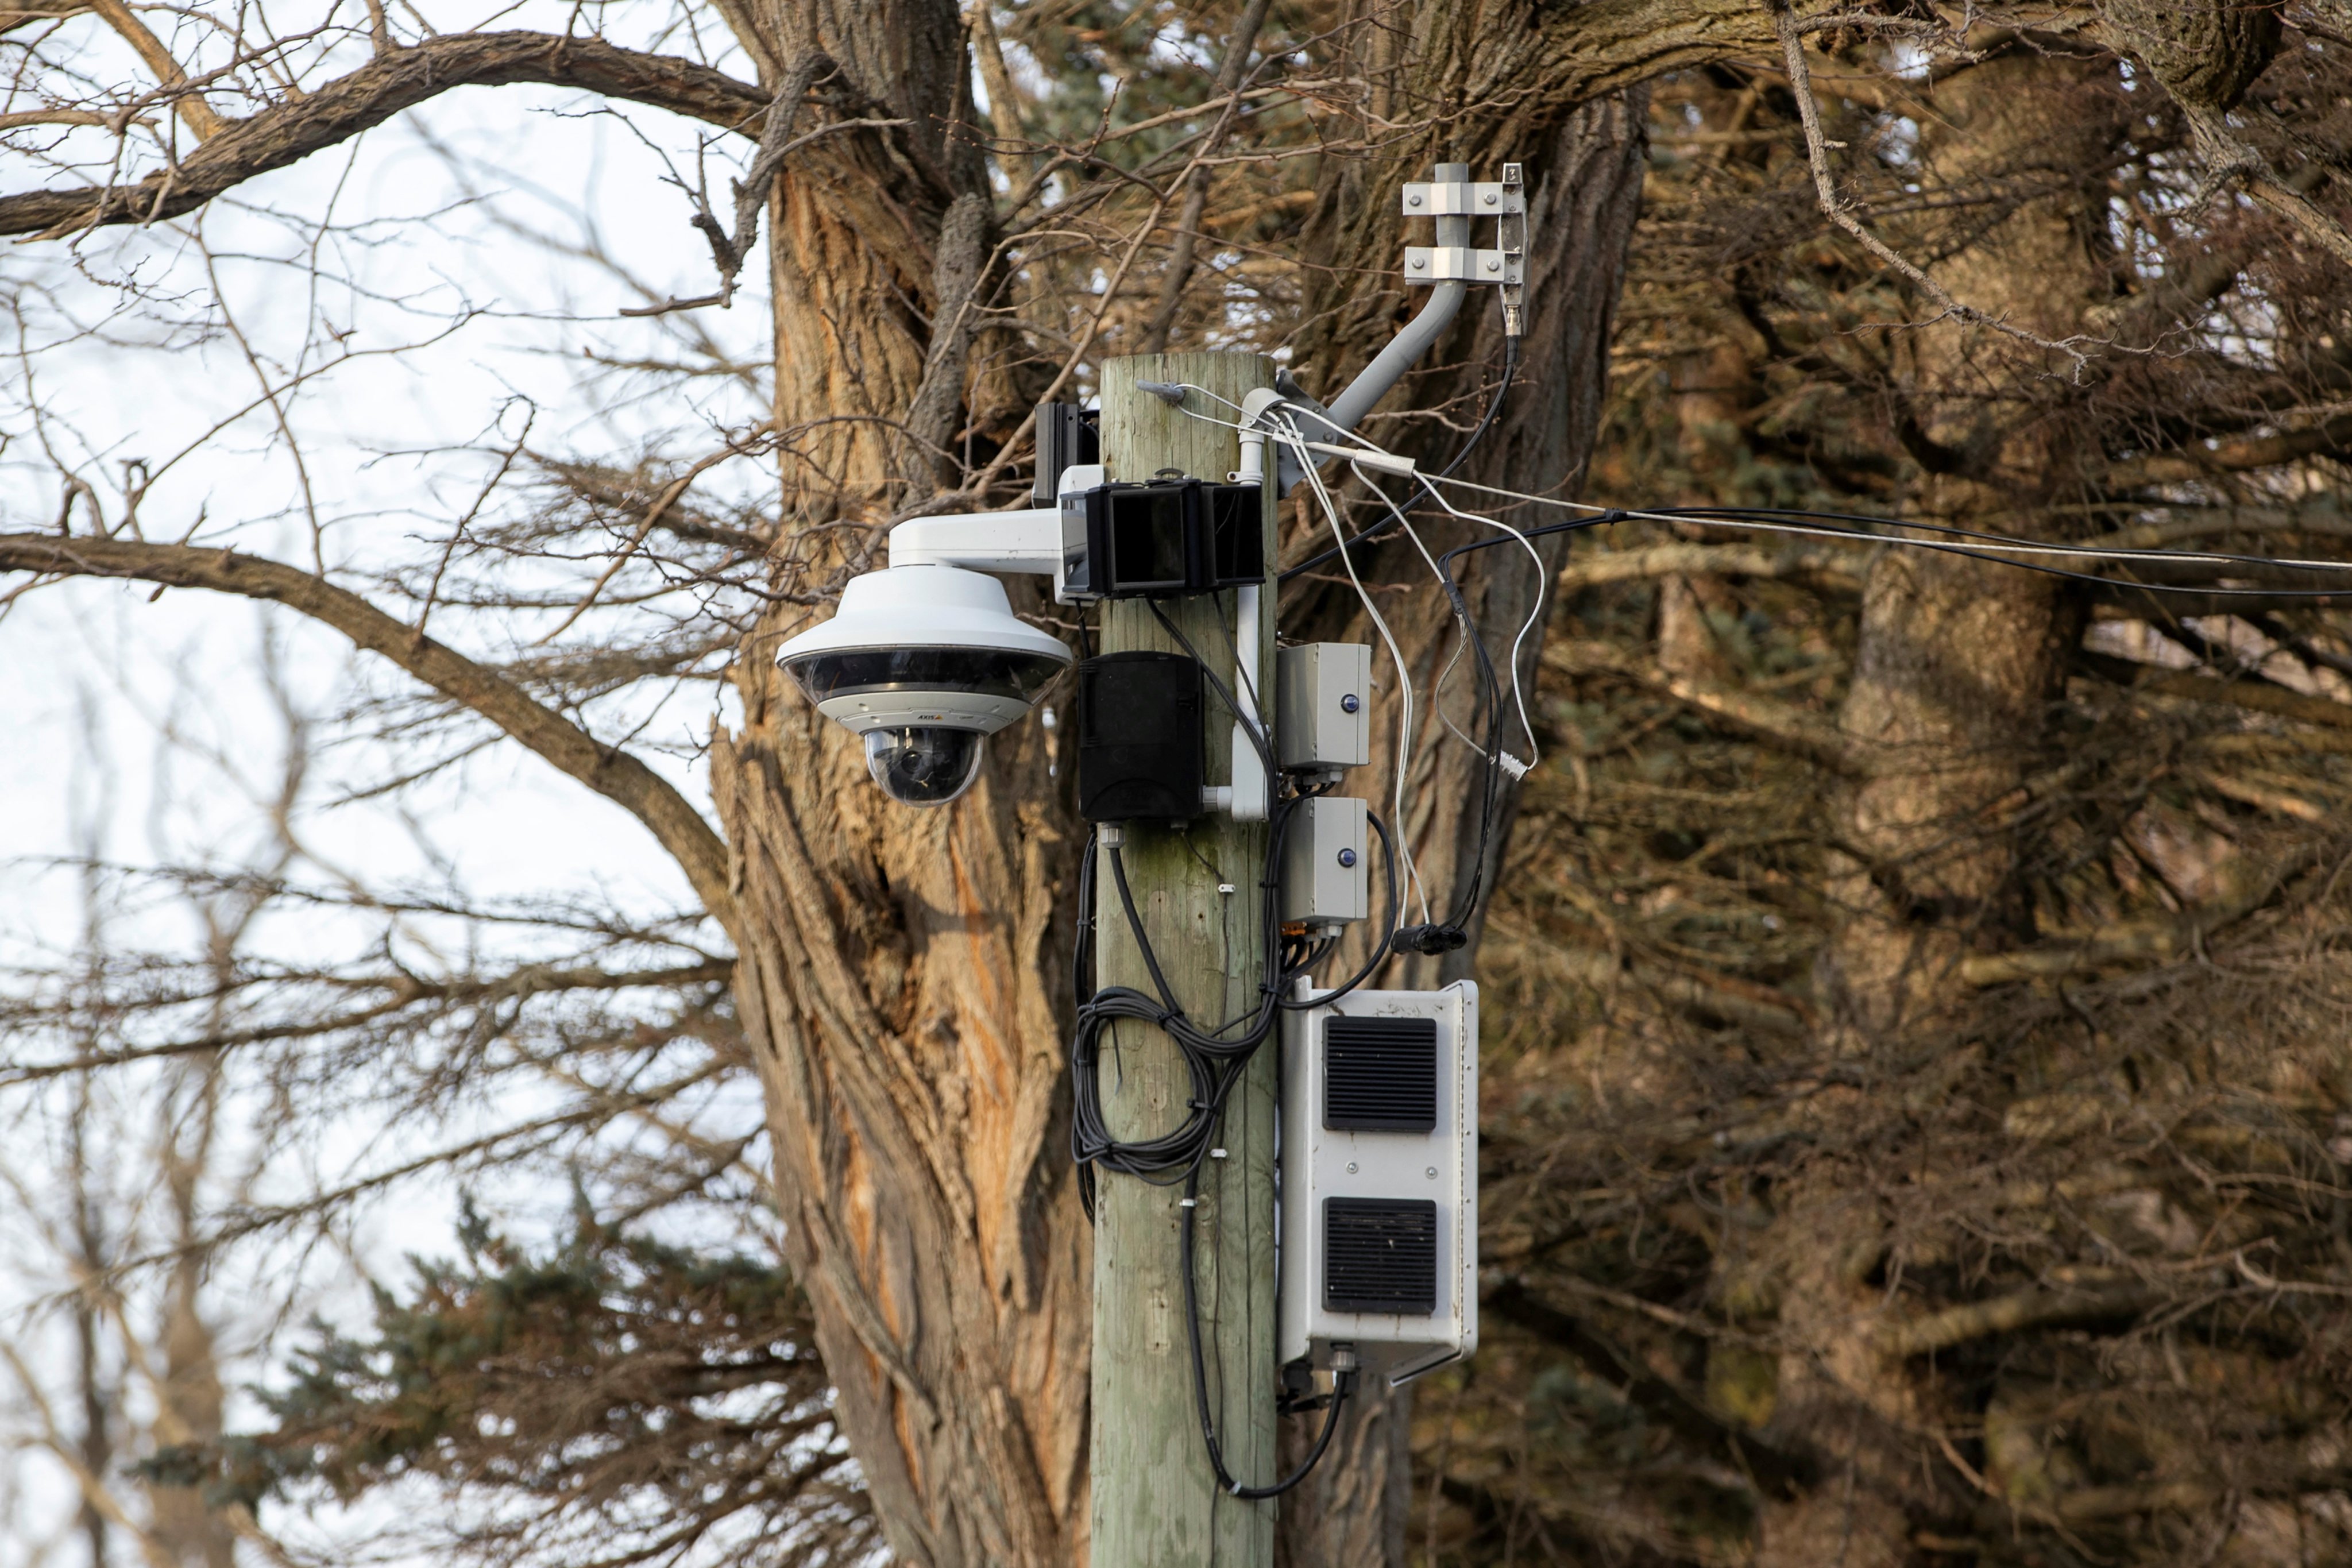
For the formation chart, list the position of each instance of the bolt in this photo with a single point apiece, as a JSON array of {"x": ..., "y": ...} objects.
[
  {"x": 1413, "y": 201},
  {"x": 1349, "y": 703},
  {"x": 1347, "y": 857},
  {"x": 1494, "y": 266},
  {"x": 1431, "y": 1173},
  {"x": 1490, "y": 198},
  {"x": 1351, "y": 1167},
  {"x": 1418, "y": 263}
]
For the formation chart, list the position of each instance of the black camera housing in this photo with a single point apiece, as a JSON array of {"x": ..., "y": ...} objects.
[
  {"x": 1169, "y": 537},
  {"x": 1067, "y": 437},
  {"x": 1140, "y": 738}
]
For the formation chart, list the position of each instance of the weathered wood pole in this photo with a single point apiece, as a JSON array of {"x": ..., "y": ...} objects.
[{"x": 1156, "y": 1503}]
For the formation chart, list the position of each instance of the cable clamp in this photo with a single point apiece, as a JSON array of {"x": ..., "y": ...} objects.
[
  {"x": 1464, "y": 264},
  {"x": 1216, "y": 1153},
  {"x": 1512, "y": 765},
  {"x": 1466, "y": 198},
  {"x": 1188, "y": 1203}
]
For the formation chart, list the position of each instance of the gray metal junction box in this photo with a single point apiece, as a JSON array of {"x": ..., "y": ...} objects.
[
  {"x": 1323, "y": 705},
  {"x": 1326, "y": 875}
]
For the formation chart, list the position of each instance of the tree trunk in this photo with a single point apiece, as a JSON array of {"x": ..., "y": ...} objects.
[
  {"x": 903, "y": 971},
  {"x": 1955, "y": 675}
]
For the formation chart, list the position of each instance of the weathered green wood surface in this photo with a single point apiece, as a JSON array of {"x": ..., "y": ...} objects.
[{"x": 1156, "y": 1503}]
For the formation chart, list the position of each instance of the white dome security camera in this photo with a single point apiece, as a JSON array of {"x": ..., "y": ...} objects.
[{"x": 923, "y": 662}]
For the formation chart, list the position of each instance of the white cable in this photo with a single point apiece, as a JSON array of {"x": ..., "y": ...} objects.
[
  {"x": 1535, "y": 614},
  {"x": 1461, "y": 643},
  {"x": 1964, "y": 543}
]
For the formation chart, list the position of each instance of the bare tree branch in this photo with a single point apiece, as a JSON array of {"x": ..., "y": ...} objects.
[
  {"x": 199, "y": 115},
  {"x": 611, "y": 772},
  {"x": 375, "y": 92}
]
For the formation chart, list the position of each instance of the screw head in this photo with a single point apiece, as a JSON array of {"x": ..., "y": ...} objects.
[
  {"x": 1490, "y": 198},
  {"x": 1351, "y": 1167},
  {"x": 1349, "y": 703},
  {"x": 1347, "y": 857},
  {"x": 1494, "y": 266},
  {"x": 1431, "y": 1173},
  {"x": 1413, "y": 201},
  {"x": 1418, "y": 264}
]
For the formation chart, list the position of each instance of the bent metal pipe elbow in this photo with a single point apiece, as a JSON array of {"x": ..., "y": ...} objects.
[{"x": 1348, "y": 410}]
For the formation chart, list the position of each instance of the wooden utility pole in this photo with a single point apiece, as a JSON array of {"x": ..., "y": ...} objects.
[{"x": 1156, "y": 1502}]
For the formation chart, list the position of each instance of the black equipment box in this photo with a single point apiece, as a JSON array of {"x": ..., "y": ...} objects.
[
  {"x": 1140, "y": 738},
  {"x": 1067, "y": 437},
  {"x": 1170, "y": 536}
]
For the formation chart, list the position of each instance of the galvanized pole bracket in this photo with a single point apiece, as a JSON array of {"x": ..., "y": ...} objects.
[{"x": 1503, "y": 200}]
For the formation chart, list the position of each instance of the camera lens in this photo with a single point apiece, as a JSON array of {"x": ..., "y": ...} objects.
[{"x": 923, "y": 766}]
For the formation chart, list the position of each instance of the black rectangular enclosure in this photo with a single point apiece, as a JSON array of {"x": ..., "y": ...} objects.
[
  {"x": 1067, "y": 436},
  {"x": 1169, "y": 537},
  {"x": 1140, "y": 738}
]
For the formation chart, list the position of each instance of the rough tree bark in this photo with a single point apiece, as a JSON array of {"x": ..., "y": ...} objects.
[
  {"x": 1954, "y": 678},
  {"x": 898, "y": 968}
]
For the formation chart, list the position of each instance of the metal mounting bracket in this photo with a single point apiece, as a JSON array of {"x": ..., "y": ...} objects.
[
  {"x": 1448, "y": 267},
  {"x": 1468, "y": 198},
  {"x": 1462, "y": 264},
  {"x": 1503, "y": 200}
]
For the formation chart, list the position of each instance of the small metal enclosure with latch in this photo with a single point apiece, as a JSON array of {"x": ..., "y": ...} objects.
[
  {"x": 1325, "y": 872},
  {"x": 1323, "y": 705}
]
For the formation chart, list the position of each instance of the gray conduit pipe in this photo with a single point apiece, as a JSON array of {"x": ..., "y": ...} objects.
[{"x": 1348, "y": 410}]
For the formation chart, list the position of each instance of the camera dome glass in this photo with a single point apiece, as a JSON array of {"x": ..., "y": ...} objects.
[
  {"x": 993, "y": 672},
  {"x": 923, "y": 766}
]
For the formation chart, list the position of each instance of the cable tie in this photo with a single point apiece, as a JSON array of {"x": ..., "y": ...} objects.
[{"x": 1512, "y": 765}]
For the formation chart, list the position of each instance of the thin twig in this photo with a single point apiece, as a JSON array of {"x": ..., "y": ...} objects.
[{"x": 1840, "y": 211}]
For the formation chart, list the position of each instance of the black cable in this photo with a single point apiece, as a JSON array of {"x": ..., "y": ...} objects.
[
  {"x": 1253, "y": 729},
  {"x": 1215, "y": 1060},
  {"x": 1493, "y": 404},
  {"x": 1826, "y": 522},
  {"x": 1835, "y": 524},
  {"x": 1450, "y": 935},
  {"x": 1342, "y": 1382},
  {"x": 1951, "y": 531},
  {"x": 1375, "y": 531}
]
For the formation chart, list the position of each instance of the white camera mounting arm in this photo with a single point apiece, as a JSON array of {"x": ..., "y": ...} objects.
[{"x": 1039, "y": 540}]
